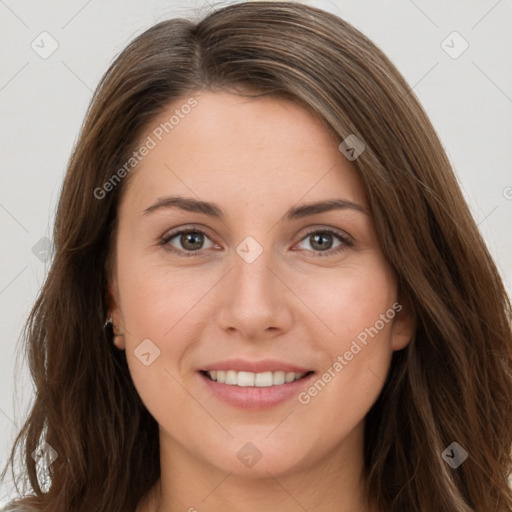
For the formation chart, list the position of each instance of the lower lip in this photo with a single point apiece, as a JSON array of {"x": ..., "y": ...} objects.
[{"x": 255, "y": 397}]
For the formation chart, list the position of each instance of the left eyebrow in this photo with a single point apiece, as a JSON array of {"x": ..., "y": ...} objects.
[
  {"x": 324, "y": 206},
  {"x": 213, "y": 210}
]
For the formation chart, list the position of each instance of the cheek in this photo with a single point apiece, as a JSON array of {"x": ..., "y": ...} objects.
[
  {"x": 156, "y": 297},
  {"x": 358, "y": 308},
  {"x": 350, "y": 299},
  {"x": 154, "y": 308}
]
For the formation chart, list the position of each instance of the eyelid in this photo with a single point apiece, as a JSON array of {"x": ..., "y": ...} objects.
[
  {"x": 199, "y": 228},
  {"x": 318, "y": 228}
]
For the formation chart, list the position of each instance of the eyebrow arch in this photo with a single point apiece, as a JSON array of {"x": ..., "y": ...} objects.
[{"x": 213, "y": 210}]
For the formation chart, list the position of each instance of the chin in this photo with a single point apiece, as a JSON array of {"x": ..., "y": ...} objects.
[{"x": 259, "y": 457}]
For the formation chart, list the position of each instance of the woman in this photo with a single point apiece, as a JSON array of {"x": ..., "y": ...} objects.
[{"x": 268, "y": 290}]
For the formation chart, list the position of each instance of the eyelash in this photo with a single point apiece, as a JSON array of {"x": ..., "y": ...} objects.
[{"x": 346, "y": 242}]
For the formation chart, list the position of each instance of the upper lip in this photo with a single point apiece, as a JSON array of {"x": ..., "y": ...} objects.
[{"x": 266, "y": 365}]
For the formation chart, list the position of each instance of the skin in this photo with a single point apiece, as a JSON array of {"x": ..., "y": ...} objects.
[{"x": 255, "y": 158}]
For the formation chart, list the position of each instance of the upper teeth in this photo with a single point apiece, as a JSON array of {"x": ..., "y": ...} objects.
[{"x": 245, "y": 379}]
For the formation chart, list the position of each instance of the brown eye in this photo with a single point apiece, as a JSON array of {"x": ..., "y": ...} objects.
[
  {"x": 189, "y": 241},
  {"x": 321, "y": 241}
]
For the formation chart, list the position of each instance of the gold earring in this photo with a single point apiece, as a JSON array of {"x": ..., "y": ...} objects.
[{"x": 117, "y": 332}]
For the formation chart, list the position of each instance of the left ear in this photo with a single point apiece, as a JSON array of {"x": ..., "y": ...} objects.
[{"x": 404, "y": 324}]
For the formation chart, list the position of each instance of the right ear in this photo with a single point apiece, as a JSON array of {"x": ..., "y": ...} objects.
[{"x": 115, "y": 310}]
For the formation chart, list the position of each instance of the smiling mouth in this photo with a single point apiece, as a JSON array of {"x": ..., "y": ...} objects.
[{"x": 250, "y": 379}]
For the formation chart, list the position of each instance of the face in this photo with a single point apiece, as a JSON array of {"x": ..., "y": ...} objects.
[{"x": 293, "y": 310}]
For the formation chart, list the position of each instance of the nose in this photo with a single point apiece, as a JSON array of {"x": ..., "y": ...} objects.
[{"x": 256, "y": 302}]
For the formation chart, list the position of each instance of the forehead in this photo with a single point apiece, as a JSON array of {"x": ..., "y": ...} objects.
[{"x": 233, "y": 147}]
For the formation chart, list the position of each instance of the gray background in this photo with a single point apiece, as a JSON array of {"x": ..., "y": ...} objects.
[{"x": 43, "y": 101}]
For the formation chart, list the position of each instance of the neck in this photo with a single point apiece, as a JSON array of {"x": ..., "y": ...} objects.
[{"x": 189, "y": 484}]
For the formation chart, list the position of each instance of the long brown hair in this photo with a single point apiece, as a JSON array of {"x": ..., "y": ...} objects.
[{"x": 452, "y": 383}]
